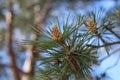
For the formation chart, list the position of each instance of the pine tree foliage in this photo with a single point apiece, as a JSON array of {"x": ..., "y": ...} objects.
[{"x": 66, "y": 53}]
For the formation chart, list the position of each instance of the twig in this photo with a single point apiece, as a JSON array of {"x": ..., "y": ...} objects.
[
  {"x": 109, "y": 55},
  {"x": 107, "y": 44},
  {"x": 113, "y": 64},
  {"x": 113, "y": 32},
  {"x": 103, "y": 74}
]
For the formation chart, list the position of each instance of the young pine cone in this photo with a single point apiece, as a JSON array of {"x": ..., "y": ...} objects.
[
  {"x": 118, "y": 13},
  {"x": 92, "y": 26},
  {"x": 56, "y": 34}
]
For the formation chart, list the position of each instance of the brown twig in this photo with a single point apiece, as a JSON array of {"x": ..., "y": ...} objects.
[
  {"x": 107, "y": 44},
  {"x": 113, "y": 32}
]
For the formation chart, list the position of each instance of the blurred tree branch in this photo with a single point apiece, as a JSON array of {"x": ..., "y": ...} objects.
[
  {"x": 103, "y": 75},
  {"x": 9, "y": 30},
  {"x": 115, "y": 51},
  {"x": 10, "y": 66},
  {"x": 39, "y": 19}
]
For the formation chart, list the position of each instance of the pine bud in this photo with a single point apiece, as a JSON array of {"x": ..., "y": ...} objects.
[
  {"x": 46, "y": 78},
  {"x": 118, "y": 13},
  {"x": 55, "y": 60},
  {"x": 56, "y": 34},
  {"x": 92, "y": 25}
]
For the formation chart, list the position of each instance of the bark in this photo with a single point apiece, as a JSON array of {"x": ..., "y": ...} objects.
[{"x": 9, "y": 22}]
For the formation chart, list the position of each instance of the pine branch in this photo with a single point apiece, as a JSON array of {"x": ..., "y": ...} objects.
[{"x": 68, "y": 53}]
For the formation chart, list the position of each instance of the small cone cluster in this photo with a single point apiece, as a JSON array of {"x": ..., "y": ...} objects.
[
  {"x": 92, "y": 25},
  {"x": 56, "y": 34},
  {"x": 46, "y": 78},
  {"x": 118, "y": 13},
  {"x": 55, "y": 60}
]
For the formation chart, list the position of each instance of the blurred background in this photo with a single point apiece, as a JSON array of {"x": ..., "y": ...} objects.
[{"x": 18, "y": 16}]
